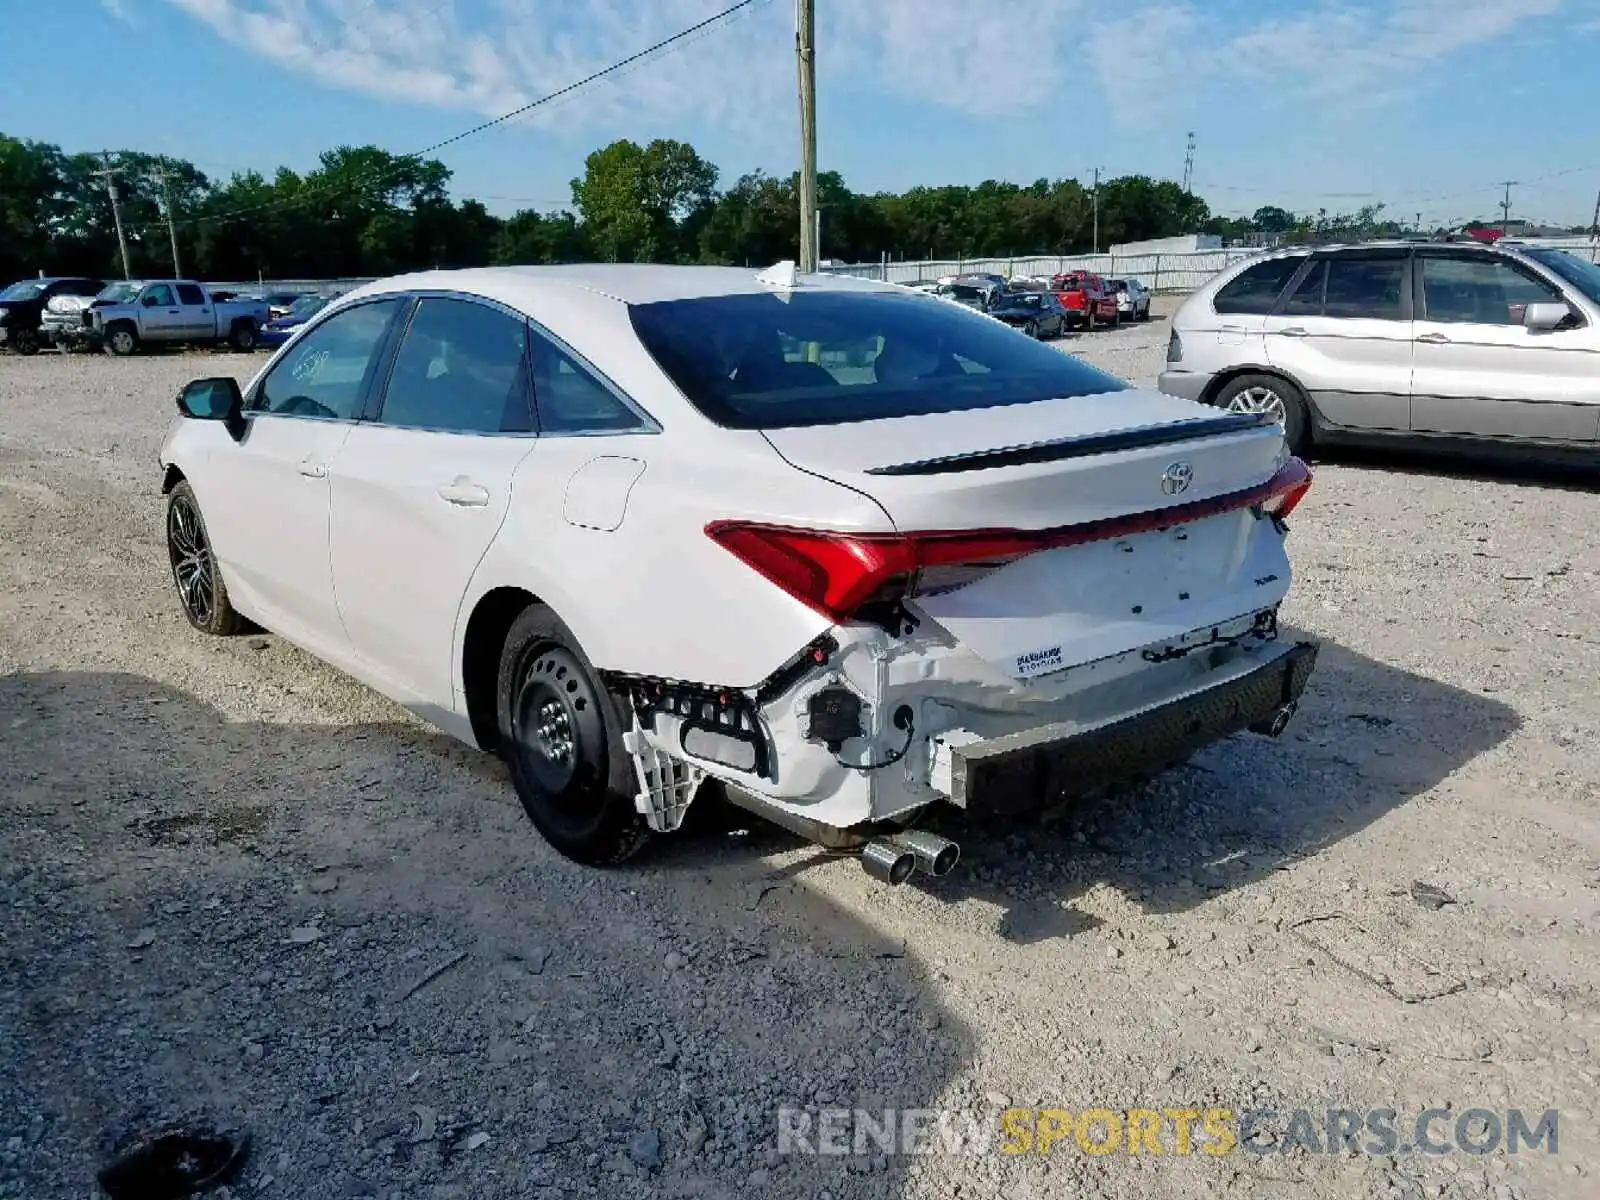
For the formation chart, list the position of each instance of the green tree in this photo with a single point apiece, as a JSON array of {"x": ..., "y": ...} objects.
[{"x": 636, "y": 200}]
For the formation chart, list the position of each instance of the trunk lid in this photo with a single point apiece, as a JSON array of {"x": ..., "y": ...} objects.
[{"x": 1072, "y": 462}]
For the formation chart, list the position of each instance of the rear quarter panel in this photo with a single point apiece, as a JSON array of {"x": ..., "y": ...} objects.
[{"x": 655, "y": 595}]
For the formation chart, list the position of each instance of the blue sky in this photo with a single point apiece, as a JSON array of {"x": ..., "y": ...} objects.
[{"x": 1304, "y": 103}]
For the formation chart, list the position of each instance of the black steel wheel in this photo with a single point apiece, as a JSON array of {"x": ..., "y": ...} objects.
[
  {"x": 561, "y": 738},
  {"x": 201, "y": 592},
  {"x": 25, "y": 341}
]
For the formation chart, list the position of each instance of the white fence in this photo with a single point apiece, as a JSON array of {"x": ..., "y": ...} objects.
[{"x": 1158, "y": 272}]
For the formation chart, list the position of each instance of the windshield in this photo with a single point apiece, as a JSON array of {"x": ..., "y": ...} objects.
[
  {"x": 306, "y": 305},
  {"x": 120, "y": 293},
  {"x": 1580, "y": 273},
  {"x": 23, "y": 291},
  {"x": 769, "y": 362}
]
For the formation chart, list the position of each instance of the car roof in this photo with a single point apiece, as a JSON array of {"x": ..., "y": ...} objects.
[{"x": 629, "y": 283}]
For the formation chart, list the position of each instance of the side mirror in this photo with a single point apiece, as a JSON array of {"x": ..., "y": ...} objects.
[
  {"x": 1545, "y": 315},
  {"x": 214, "y": 400}
]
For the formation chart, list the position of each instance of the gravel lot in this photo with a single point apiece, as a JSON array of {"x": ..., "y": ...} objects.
[{"x": 239, "y": 887}]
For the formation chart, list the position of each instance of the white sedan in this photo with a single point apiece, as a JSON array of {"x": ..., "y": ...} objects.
[{"x": 846, "y": 550}]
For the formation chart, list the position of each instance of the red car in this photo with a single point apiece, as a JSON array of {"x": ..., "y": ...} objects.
[{"x": 1086, "y": 298}]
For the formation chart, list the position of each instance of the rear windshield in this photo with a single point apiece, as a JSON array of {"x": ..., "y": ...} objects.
[{"x": 772, "y": 361}]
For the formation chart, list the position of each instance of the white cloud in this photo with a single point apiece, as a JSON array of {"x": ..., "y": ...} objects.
[
  {"x": 1149, "y": 62},
  {"x": 117, "y": 9}
]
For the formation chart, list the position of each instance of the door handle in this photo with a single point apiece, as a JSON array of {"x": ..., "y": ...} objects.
[
  {"x": 174, "y": 312},
  {"x": 1433, "y": 339},
  {"x": 1293, "y": 331},
  {"x": 462, "y": 491},
  {"x": 312, "y": 469}
]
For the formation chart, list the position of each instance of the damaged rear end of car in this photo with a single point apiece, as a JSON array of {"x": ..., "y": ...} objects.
[{"x": 1075, "y": 583}]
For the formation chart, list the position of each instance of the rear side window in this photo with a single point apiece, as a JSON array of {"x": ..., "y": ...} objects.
[
  {"x": 769, "y": 361},
  {"x": 570, "y": 398},
  {"x": 1255, "y": 290},
  {"x": 461, "y": 368},
  {"x": 1364, "y": 285},
  {"x": 188, "y": 293},
  {"x": 1307, "y": 298}
]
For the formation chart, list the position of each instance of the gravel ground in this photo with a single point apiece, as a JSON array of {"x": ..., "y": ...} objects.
[{"x": 238, "y": 887}]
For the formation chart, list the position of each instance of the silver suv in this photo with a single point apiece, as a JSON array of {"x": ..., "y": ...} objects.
[{"x": 1485, "y": 345}]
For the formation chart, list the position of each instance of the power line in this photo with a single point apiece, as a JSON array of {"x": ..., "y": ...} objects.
[{"x": 680, "y": 36}]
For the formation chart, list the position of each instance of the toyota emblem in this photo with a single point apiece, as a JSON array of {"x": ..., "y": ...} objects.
[{"x": 1177, "y": 478}]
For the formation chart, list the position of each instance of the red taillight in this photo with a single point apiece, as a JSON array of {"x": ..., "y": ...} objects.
[
  {"x": 837, "y": 573},
  {"x": 1287, "y": 488}
]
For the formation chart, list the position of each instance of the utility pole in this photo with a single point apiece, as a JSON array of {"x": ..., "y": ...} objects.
[
  {"x": 1594, "y": 229},
  {"x": 172, "y": 230},
  {"x": 1505, "y": 205},
  {"x": 109, "y": 174},
  {"x": 1096, "y": 210},
  {"x": 806, "y": 64},
  {"x": 1188, "y": 167}
]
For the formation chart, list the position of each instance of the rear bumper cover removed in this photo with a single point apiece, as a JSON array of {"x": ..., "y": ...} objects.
[{"x": 1023, "y": 771}]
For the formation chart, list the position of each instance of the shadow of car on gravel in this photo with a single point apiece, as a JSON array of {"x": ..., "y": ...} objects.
[
  {"x": 1368, "y": 737},
  {"x": 346, "y": 940},
  {"x": 1577, "y": 472}
]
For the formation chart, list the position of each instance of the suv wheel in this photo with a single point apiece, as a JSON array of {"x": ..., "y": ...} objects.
[{"x": 1272, "y": 395}]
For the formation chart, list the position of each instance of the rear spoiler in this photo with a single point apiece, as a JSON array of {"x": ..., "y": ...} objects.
[{"x": 1081, "y": 447}]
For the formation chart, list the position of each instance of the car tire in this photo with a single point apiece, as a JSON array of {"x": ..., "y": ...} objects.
[
  {"x": 1031, "y": 329},
  {"x": 1270, "y": 393},
  {"x": 201, "y": 591},
  {"x": 122, "y": 341},
  {"x": 243, "y": 337},
  {"x": 561, "y": 738},
  {"x": 25, "y": 342}
]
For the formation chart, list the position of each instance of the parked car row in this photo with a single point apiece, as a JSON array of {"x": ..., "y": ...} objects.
[
  {"x": 1047, "y": 306},
  {"x": 83, "y": 313}
]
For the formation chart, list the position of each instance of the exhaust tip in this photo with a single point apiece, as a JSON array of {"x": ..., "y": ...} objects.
[
  {"x": 1279, "y": 721},
  {"x": 934, "y": 854},
  {"x": 887, "y": 863}
]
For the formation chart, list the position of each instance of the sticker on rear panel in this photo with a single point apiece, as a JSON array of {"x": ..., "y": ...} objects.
[{"x": 1039, "y": 662}]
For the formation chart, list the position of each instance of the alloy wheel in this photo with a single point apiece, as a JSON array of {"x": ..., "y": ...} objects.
[
  {"x": 1259, "y": 400},
  {"x": 193, "y": 569}
]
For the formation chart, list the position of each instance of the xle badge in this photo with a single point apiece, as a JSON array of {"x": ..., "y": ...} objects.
[{"x": 1039, "y": 662}]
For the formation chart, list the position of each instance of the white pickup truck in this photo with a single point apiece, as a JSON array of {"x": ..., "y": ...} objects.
[{"x": 128, "y": 314}]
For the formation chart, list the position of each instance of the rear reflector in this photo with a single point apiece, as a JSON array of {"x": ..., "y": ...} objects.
[{"x": 838, "y": 573}]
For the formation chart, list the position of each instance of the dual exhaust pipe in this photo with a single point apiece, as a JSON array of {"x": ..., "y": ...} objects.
[{"x": 893, "y": 859}]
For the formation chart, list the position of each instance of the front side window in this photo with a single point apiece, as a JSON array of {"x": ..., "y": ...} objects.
[
  {"x": 1365, "y": 286},
  {"x": 461, "y": 368},
  {"x": 159, "y": 295},
  {"x": 326, "y": 373},
  {"x": 725, "y": 353},
  {"x": 191, "y": 295},
  {"x": 1255, "y": 290},
  {"x": 1479, "y": 291}
]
